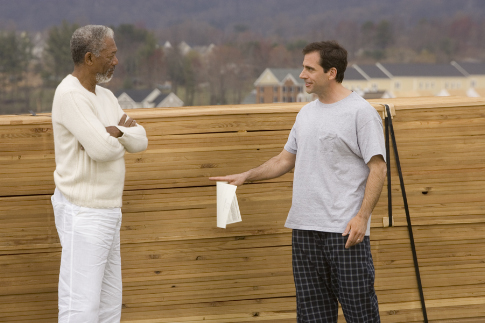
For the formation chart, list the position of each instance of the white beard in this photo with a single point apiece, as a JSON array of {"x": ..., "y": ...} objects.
[{"x": 104, "y": 78}]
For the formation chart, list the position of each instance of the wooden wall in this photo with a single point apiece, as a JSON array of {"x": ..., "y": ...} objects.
[{"x": 178, "y": 267}]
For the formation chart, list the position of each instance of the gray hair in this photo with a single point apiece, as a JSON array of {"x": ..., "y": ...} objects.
[{"x": 89, "y": 38}]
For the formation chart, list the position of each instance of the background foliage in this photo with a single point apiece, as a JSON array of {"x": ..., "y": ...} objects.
[{"x": 249, "y": 36}]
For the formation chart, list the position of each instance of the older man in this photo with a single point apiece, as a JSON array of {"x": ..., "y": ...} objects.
[{"x": 91, "y": 135}]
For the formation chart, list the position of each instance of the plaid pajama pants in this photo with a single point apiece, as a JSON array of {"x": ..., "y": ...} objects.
[{"x": 326, "y": 273}]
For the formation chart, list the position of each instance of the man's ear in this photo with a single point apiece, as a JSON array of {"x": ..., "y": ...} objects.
[
  {"x": 332, "y": 73},
  {"x": 88, "y": 58}
]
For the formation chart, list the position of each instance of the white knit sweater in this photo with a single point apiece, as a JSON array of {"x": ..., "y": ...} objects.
[{"x": 90, "y": 165}]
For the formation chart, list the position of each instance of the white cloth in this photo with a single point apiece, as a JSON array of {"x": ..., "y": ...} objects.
[
  {"x": 90, "y": 287},
  {"x": 90, "y": 168}
]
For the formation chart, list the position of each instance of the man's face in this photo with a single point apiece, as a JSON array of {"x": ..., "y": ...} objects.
[
  {"x": 316, "y": 80},
  {"x": 106, "y": 62}
]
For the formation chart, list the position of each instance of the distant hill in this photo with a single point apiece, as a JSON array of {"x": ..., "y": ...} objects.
[{"x": 285, "y": 18}]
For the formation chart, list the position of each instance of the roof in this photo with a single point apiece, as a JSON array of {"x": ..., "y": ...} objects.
[
  {"x": 372, "y": 71},
  {"x": 422, "y": 70},
  {"x": 160, "y": 98},
  {"x": 136, "y": 95},
  {"x": 473, "y": 68},
  {"x": 282, "y": 73},
  {"x": 351, "y": 74}
]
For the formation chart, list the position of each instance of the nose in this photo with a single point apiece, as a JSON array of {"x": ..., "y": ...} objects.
[
  {"x": 115, "y": 61},
  {"x": 303, "y": 75}
]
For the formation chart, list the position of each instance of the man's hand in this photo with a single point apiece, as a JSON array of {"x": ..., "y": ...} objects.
[
  {"x": 124, "y": 122},
  {"x": 357, "y": 227},
  {"x": 275, "y": 167},
  {"x": 236, "y": 179},
  {"x": 114, "y": 131}
]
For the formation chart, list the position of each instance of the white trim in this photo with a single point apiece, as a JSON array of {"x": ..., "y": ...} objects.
[
  {"x": 384, "y": 70},
  {"x": 171, "y": 100},
  {"x": 289, "y": 76},
  {"x": 265, "y": 72},
  {"x": 364, "y": 74},
  {"x": 458, "y": 67}
]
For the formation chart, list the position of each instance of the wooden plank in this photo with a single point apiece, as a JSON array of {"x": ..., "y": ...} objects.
[{"x": 178, "y": 267}]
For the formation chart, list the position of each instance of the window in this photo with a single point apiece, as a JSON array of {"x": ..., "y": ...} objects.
[
  {"x": 284, "y": 99},
  {"x": 473, "y": 83},
  {"x": 275, "y": 99},
  {"x": 397, "y": 85},
  {"x": 290, "y": 99},
  {"x": 290, "y": 89},
  {"x": 261, "y": 99}
]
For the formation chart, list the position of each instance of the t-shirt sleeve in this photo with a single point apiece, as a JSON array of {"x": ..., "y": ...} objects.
[
  {"x": 370, "y": 137},
  {"x": 291, "y": 145}
]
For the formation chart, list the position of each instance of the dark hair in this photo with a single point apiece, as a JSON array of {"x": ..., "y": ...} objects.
[
  {"x": 89, "y": 38},
  {"x": 331, "y": 55}
]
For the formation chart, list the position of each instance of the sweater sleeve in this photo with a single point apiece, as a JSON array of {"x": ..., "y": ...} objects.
[
  {"x": 134, "y": 139},
  {"x": 78, "y": 117}
]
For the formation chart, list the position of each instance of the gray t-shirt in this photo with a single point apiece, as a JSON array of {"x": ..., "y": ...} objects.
[{"x": 333, "y": 144}]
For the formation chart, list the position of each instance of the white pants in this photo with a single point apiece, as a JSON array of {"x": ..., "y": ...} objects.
[{"x": 90, "y": 276}]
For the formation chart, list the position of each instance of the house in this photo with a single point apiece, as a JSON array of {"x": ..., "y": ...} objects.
[
  {"x": 409, "y": 80},
  {"x": 279, "y": 85},
  {"x": 285, "y": 85},
  {"x": 473, "y": 71},
  {"x": 185, "y": 48},
  {"x": 355, "y": 81},
  {"x": 377, "y": 80},
  {"x": 384, "y": 80},
  {"x": 135, "y": 99}
]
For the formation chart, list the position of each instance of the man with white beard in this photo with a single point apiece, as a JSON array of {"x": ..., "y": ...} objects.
[{"x": 91, "y": 135}]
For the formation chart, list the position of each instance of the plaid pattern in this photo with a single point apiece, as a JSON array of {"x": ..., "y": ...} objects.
[{"x": 326, "y": 273}]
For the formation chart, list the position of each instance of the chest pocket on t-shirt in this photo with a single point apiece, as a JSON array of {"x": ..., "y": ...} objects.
[
  {"x": 333, "y": 150},
  {"x": 327, "y": 142}
]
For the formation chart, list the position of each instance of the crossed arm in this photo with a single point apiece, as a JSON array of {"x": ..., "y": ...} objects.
[
  {"x": 124, "y": 122},
  {"x": 115, "y": 132}
]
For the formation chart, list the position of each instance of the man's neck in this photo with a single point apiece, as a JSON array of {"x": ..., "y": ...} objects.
[
  {"x": 334, "y": 93},
  {"x": 87, "y": 80}
]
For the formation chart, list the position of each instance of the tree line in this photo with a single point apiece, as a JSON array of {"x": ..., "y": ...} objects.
[{"x": 224, "y": 73}]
